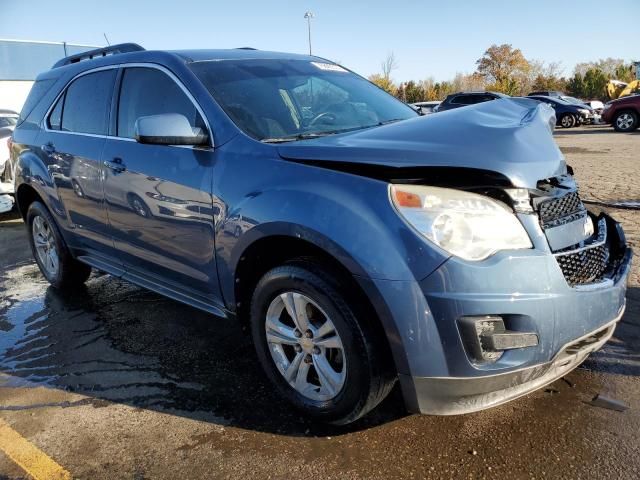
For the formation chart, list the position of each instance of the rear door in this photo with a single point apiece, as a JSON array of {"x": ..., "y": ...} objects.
[
  {"x": 158, "y": 197},
  {"x": 72, "y": 141}
]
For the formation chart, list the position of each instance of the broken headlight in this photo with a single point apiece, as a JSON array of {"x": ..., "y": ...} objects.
[{"x": 467, "y": 225}]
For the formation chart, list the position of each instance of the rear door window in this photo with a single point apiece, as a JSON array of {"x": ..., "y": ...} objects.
[
  {"x": 149, "y": 91},
  {"x": 86, "y": 104}
]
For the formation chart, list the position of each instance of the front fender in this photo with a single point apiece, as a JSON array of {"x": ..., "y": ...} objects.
[{"x": 347, "y": 216}]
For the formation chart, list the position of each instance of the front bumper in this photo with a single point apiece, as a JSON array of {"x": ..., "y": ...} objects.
[
  {"x": 528, "y": 289},
  {"x": 458, "y": 395}
]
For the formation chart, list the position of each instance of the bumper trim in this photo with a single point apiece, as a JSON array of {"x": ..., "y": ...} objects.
[{"x": 459, "y": 395}]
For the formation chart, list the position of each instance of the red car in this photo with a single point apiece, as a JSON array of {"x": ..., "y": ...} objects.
[{"x": 623, "y": 113}]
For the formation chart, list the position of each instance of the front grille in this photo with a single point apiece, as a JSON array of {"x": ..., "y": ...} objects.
[
  {"x": 586, "y": 262},
  {"x": 554, "y": 210},
  {"x": 584, "y": 266}
]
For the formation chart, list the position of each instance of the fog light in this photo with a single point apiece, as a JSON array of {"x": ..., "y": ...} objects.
[{"x": 486, "y": 338}]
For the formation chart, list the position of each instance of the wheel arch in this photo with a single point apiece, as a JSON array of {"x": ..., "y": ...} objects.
[
  {"x": 25, "y": 196},
  {"x": 269, "y": 251}
]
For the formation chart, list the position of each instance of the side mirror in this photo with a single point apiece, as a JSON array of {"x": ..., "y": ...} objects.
[{"x": 168, "y": 129}]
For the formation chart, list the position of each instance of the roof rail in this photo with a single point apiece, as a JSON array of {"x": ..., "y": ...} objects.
[
  {"x": 99, "y": 52},
  {"x": 246, "y": 48}
]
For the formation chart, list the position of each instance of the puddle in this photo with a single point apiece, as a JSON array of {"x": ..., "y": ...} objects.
[{"x": 112, "y": 341}]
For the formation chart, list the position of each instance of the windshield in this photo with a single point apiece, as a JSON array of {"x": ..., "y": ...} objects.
[
  {"x": 573, "y": 100},
  {"x": 286, "y": 100}
]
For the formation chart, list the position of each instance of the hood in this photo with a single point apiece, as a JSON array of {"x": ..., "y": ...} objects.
[{"x": 510, "y": 137}]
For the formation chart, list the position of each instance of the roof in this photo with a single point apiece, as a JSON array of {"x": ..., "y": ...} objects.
[
  {"x": 132, "y": 53},
  {"x": 237, "y": 54}
]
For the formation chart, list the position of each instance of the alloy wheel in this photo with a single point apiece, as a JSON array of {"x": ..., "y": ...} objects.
[
  {"x": 624, "y": 121},
  {"x": 567, "y": 121},
  {"x": 45, "y": 245},
  {"x": 305, "y": 346}
]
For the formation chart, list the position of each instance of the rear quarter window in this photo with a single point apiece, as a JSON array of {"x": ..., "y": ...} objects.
[{"x": 38, "y": 90}]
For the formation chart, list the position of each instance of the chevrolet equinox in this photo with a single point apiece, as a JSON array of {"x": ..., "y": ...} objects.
[{"x": 361, "y": 243}]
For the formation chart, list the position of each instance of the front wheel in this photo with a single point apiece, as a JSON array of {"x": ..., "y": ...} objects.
[
  {"x": 567, "y": 121},
  {"x": 625, "y": 121},
  {"x": 320, "y": 356},
  {"x": 50, "y": 252}
]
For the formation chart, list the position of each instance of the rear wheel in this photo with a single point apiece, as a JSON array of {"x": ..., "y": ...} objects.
[
  {"x": 567, "y": 121},
  {"x": 321, "y": 357},
  {"x": 50, "y": 252},
  {"x": 625, "y": 121}
]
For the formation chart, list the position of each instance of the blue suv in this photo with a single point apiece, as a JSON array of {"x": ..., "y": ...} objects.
[{"x": 360, "y": 242}]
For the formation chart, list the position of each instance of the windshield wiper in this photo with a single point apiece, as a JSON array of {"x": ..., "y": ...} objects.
[
  {"x": 308, "y": 136},
  {"x": 293, "y": 138}
]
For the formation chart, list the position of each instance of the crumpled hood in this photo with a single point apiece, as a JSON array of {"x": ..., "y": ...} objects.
[{"x": 512, "y": 137}]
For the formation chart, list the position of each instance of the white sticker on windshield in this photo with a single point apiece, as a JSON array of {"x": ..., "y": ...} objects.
[{"x": 330, "y": 67}]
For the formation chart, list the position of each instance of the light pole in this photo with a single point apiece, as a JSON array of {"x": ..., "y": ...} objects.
[{"x": 309, "y": 16}]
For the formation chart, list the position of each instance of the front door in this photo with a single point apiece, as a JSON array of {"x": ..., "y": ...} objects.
[{"x": 158, "y": 197}]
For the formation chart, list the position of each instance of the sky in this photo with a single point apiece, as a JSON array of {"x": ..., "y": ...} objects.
[{"x": 430, "y": 38}]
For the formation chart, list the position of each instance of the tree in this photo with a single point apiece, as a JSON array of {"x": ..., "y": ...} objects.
[
  {"x": 625, "y": 73},
  {"x": 389, "y": 65},
  {"x": 502, "y": 65},
  {"x": 413, "y": 92},
  {"x": 607, "y": 65},
  {"x": 544, "y": 76},
  {"x": 384, "y": 83},
  {"x": 468, "y": 82},
  {"x": 591, "y": 85}
]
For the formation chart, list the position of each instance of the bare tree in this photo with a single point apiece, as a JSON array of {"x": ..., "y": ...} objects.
[{"x": 389, "y": 65}]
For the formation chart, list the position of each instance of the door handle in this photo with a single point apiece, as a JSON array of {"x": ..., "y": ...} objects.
[
  {"x": 116, "y": 165},
  {"x": 48, "y": 148}
]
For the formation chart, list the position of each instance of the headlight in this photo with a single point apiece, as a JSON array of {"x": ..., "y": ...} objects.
[
  {"x": 583, "y": 111},
  {"x": 467, "y": 225}
]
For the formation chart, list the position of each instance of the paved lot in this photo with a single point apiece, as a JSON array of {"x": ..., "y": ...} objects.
[{"x": 115, "y": 382}]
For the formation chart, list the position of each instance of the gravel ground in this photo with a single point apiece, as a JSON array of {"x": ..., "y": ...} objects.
[{"x": 115, "y": 382}]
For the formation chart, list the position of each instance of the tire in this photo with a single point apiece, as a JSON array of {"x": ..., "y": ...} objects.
[
  {"x": 567, "y": 120},
  {"x": 366, "y": 377},
  {"x": 625, "y": 121},
  {"x": 55, "y": 261}
]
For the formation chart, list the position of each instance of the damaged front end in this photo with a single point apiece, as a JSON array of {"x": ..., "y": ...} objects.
[
  {"x": 508, "y": 319},
  {"x": 589, "y": 248}
]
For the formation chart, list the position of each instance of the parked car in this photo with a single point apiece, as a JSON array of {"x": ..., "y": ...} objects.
[
  {"x": 597, "y": 106},
  {"x": 568, "y": 115},
  {"x": 361, "y": 243},
  {"x": 623, "y": 113},
  {"x": 8, "y": 120},
  {"x": 425, "y": 108},
  {"x": 590, "y": 117},
  {"x": 546, "y": 93},
  {"x": 463, "y": 99}
]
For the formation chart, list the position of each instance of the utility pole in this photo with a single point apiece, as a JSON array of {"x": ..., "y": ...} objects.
[{"x": 309, "y": 16}]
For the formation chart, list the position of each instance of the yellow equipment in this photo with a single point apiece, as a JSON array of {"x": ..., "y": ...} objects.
[{"x": 617, "y": 89}]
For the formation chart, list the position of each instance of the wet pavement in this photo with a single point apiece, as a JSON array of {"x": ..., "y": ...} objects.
[{"x": 114, "y": 382}]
